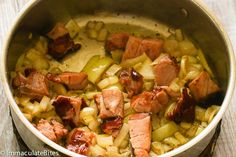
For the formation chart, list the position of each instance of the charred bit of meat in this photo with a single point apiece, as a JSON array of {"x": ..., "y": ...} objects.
[
  {"x": 60, "y": 42},
  {"x": 112, "y": 126},
  {"x": 68, "y": 108},
  {"x": 116, "y": 41},
  {"x": 132, "y": 81},
  {"x": 203, "y": 87},
  {"x": 79, "y": 141},
  {"x": 184, "y": 109},
  {"x": 34, "y": 85},
  {"x": 165, "y": 71},
  {"x": 152, "y": 101},
  {"x": 110, "y": 103},
  {"x": 53, "y": 130},
  {"x": 140, "y": 133},
  {"x": 72, "y": 80}
]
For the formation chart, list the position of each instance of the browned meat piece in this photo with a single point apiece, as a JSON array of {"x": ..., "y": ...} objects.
[
  {"x": 172, "y": 94},
  {"x": 68, "y": 108},
  {"x": 152, "y": 47},
  {"x": 184, "y": 109},
  {"x": 116, "y": 41},
  {"x": 166, "y": 70},
  {"x": 61, "y": 42},
  {"x": 140, "y": 133},
  {"x": 79, "y": 141},
  {"x": 110, "y": 103},
  {"x": 53, "y": 130},
  {"x": 132, "y": 48},
  {"x": 152, "y": 101},
  {"x": 59, "y": 47},
  {"x": 203, "y": 86},
  {"x": 132, "y": 81},
  {"x": 72, "y": 80},
  {"x": 58, "y": 31},
  {"x": 112, "y": 126},
  {"x": 35, "y": 85}
]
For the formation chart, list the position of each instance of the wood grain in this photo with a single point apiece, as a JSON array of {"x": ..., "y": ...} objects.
[{"x": 225, "y": 10}]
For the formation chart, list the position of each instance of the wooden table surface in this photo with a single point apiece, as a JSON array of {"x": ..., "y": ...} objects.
[{"x": 225, "y": 10}]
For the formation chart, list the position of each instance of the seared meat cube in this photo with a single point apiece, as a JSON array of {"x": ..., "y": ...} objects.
[
  {"x": 112, "y": 126},
  {"x": 152, "y": 47},
  {"x": 72, "y": 80},
  {"x": 35, "y": 85},
  {"x": 140, "y": 133},
  {"x": 116, "y": 41},
  {"x": 53, "y": 130},
  {"x": 60, "y": 42},
  {"x": 184, "y": 109},
  {"x": 132, "y": 81},
  {"x": 166, "y": 70},
  {"x": 59, "y": 30},
  {"x": 59, "y": 47},
  {"x": 132, "y": 48},
  {"x": 68, "y": 108},
  {"x": 79, "y": 141},
  {"x": 110, "y": 103},
  {"x": 152, "y": 101},
  {"x": 203, "y": 86}
]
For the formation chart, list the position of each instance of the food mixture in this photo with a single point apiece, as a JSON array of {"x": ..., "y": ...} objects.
[{"x": 146, "y": 96}]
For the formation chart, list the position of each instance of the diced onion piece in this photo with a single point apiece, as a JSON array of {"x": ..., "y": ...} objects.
[
  {"x": 192, "y": 131},
  {"x": 166, "y": 130},
  {"x": 155, "y": 122},
  {"x": 171, "y": 47},
  {"x": 183, "y": 65},
  {"x": 72, "y": 28},
  {"x": 148, "y": 85},
  {"x": 199, "y": 130},
  {"x": 102, "y": 34},
  {"x": 112, "y": 151},
  {"x": 28, "y": 116},
  {"x": 87, "y": 111},
  {"x": 185, "y": 125},
  {"x": 113, "y": 70},
  {"x": 94, "y": 124},
  {"x": 122, "y": 135},
  {"x": 108, "y": 81},
  {"x": 99, "y": 25},
  {"x": 134, "y": 61},
  {"x": 187, "y": 48},
  {"x": 146, "y": 70},
  {"x": 180, "y": 138},
  {"x": 211, "y": 112},
  {"x": 179, "y": 35},
  {"x": 173, "y": 142},
  {"x": 117, "y": 55},
  {"x": 129, "y": 111},
  {"x": 115, "y": 86},
  {"x": 44, "y": 103},
  {"x": 92, "y": 34},
  {"x": 97, "y": 151},
  {"x": 59, "y": 88},
  {"x": 90, "y": 95},
  {"x": 126, "y": 105},
  {"x": 192, "y": 75},
  {"x": 90, "y": 24},
  {"x": 104, "y": 140},
  {"x": 96, "y": 66},
  {"x": 200, "y": 113},
  {"x": 24, "y": 100},
  {"x": 204, "y": 62},
  {"x": 160, "y": 148},
  {"x": 42, "y": 45},
  {"x": 124, "y": 144}
]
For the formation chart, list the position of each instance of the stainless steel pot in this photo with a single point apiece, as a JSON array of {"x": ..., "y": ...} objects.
[{"x": 189, "y": 15}]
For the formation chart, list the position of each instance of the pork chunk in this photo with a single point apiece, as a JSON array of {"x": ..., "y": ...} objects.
[
  {"x": 35, "y": 85},
  {"x": 73, "y": 80},
  {"x": 203, "y": 86},
  {"x": 140, "y": 133},
  {"x": 166, "y": 70},
  {"x": 110, "y": 103},
  {"x": 68, "y": 108},
  {"x": 132, "y": 48},
  {"x": 116, "y": 41},
  {"x": 53, "y": 130},
  {"x": 152, "y": 101},
  {"x": 60, "y": 42},
  {"x": 184, "y": 109},
  {"x": 132, "y": 81},
  {"x": 79, "y": 141},
  {"x": 112, "y": 126},
  {"x": 152, "y": 47}
]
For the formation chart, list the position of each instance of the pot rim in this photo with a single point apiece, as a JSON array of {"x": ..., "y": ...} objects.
[{"x": 192, "y": 142}]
